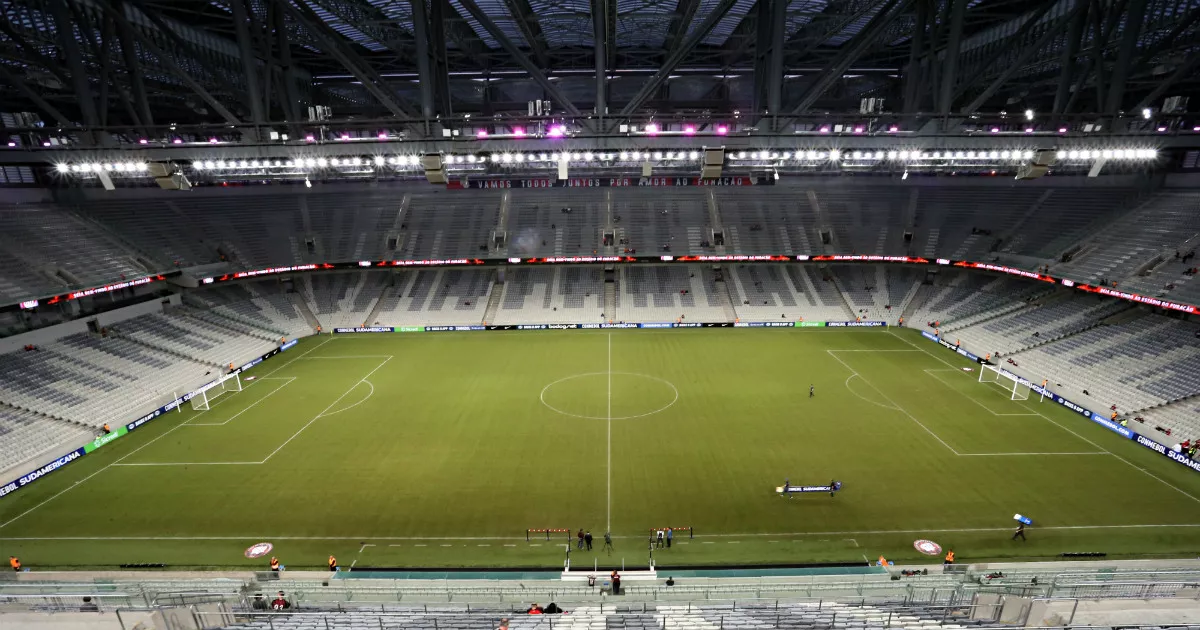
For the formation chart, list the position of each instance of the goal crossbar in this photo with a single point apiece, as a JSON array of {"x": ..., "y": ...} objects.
[
  {"x": 1006, "y": 380},
  {"x": 202, "y": 398}
]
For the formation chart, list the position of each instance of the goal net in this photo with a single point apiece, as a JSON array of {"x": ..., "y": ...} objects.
[
  {"x": 1006, "y": 381},
  {"x": 202, "y": 399}
]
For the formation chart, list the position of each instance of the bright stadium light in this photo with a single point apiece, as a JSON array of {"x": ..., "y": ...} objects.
[
  {"x": 624, "y": 155},
  {"x": 63, "y": 167},
  {"x": 589, "y": 156},
  {"x": 356, "y": 161},
  {"x": 1146, "y": 113},
  {"x": 658, "y": 155},
  {"x": 520, "y": 157},
  {"x": 378, "y": 160},
  {"x": 812, "y": 155},
  {"x": 1029, "y": 114},
  {"x": 903, "y": 155},
  {"x": 834, "y": 155},
  {"x": 741, "y": 155}
]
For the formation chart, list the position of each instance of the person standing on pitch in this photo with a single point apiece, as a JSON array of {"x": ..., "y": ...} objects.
[
  {"x": 661, "y": 538},
  {"x": 810, "y": 391},
  {"x": 669, "y": 536},
  {"x": 1020, "y": 531},
  {"x": 587, "y": 538},
  {"x": 579, "y": 543},
  {"x": 608, "y": 542}
]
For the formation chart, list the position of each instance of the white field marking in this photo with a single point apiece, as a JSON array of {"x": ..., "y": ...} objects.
[
  {"x": 707, "y": 542},
  {"x": 483, "y": 545},
  {"x": 270, "y": 378},
  {"x": 968, "y": 396},
  {"x": 403, "y": 545},
  {"x": 355, "y": 356},
  {"x": 447, "y": 545},
  {"x": 287, "y": 381},
  {"x": 1068, "y": 430},
  {"x": 852, "y": 540},
  {"x": 506, "y": 545},
  {"x": 318, "y": 416},
  {"x": 1028, "y": 454},
  {"x": 873, "y": 402},
  {"x": 873, "y": 351},
  {"x": 734, "y": 542},
  {"x": 864, "y": 557},
  {"x": 637, "y": 537},
  {"x": 187, "y": 463},
  {"x": 893, "y": 403},
  {"x": 608, "y": 470},
  {"x": 545, "y": 389},
  {"x": 323, "y": 413},
  {"x": 365, "y": 545},
  {"x": 354, "y": 563},
  {"x": 372, "y": 385},
  {"x": 80, "y": 482}
]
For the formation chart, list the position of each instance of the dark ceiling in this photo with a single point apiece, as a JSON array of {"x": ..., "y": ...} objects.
[{"x": 103, "y": 63}]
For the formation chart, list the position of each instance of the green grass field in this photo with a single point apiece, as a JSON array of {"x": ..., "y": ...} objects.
[{"x": 441, "y": 449}]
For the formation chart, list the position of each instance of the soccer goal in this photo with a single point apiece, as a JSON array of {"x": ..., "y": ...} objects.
[
  {"x": 203, "y": 398},
  {"x": 1006, "y": 381}
]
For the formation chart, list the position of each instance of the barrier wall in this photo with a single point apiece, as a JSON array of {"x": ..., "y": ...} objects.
[
  {"x": 1124, "y": 432},
  {"x": 411, "y": 329}
]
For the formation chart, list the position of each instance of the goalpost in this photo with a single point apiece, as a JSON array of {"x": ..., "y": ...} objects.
[
  {"x": 1008, "y": 382},
  {"x": 228, "y": 383}
]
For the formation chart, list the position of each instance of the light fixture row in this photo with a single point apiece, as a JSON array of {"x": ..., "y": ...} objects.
[
  {"x": 835, "y": 155},
  {"x": 103, "y": 167}
]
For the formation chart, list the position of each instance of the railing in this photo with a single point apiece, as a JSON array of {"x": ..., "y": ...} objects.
[{"x": 761, "y": 616}]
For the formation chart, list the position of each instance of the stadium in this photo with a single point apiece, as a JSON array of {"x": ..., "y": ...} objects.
[{"x": 451, "y": 314}]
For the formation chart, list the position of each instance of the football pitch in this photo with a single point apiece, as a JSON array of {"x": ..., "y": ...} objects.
[{"x": 442, "y": 449}]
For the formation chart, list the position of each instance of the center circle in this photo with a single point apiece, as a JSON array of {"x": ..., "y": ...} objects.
[{"x": 609, "y": 395}]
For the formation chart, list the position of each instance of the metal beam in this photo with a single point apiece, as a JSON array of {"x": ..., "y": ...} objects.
[
  {"x": 33, "y": 53},
  {"x": 1070, "y": 51},
  {"x": 775, "y": 67},
  {"x": 170, "y": 63},
  {"x": 1129, "y": 40},
  {"x": 241, "y": 22},
  {"x": 1027, "y": 53},
  {"x": 133, "y": 68},
  {"x": 65, "y": 32},
  {"x": 600, "y": 41},
  {"x": 853, "y": 50},
  {"x": 1032, "y": 22},
  {"x": 437, "y": 41},
  {"x": 530, "y": 29},
  {"x": 535, "y": 72},
  {"x": 333, "y": 46},
  {"x": 291, "y": 108},
  {"x": 33, "y": 96},
  {"x": 677, "y": 55},
  {"x": 681, "y": 19},
  {"x": 953, "y": 44},
  {"x": 912, "y": 76},
  {"x": 421, "y": 32},
  {"x": 1187, "y": 69}
]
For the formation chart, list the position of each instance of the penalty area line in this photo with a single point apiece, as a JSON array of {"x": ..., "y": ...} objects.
[{"x": 1072, "y": 432}]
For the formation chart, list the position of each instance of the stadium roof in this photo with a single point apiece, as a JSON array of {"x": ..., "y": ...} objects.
[{"x": 149, "y": 63}]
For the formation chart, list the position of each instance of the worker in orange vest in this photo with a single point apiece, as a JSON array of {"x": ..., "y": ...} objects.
[
  {"x": 107, "y": 429},
  {"x": 949, "y": 557},
  {"x": 15, "y": 563},
  {"x": 275, "y": 564},
  {"x": 901, "y": 322},
  {"x": 332, "y": 563}
]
